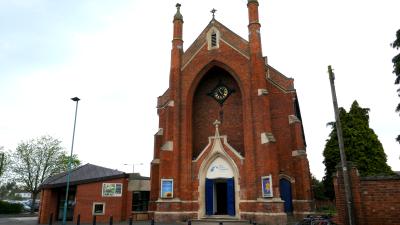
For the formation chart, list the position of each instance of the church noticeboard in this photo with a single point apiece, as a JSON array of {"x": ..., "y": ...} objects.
[
  {"x": 167, "y": 188},
  {"x": 266, "y": 183}
]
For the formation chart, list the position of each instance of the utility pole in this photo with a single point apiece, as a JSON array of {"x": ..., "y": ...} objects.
[{"x": 347, "y": 189}]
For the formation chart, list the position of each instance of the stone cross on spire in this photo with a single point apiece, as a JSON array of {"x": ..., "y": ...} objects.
[
  {"x": 213, "y": 12},
  {"x": 216, "y": 124}
]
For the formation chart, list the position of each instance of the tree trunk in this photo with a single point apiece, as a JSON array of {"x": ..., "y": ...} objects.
[{"x": 34, "y": 195}]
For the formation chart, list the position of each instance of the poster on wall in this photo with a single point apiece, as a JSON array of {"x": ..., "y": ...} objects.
[
  {"x": 167, "y": 188},
  {"x": 112, "y": 189},
  {"x": 266, "y": 183}
]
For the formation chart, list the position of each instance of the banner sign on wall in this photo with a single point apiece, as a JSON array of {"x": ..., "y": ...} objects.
[
  {"x": 167, "y": 188},
  {"x": 266, "y": 183}
]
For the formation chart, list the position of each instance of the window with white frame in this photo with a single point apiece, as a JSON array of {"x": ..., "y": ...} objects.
[
  {"x": 112, "y": 190},
  {"x": 99, "y": 208}
]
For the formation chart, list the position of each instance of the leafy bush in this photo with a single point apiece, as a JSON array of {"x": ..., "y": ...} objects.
[{"x": 10, "y": 208}]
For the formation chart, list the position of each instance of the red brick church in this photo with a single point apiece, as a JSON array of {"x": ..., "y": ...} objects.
[{"x": 231, "y": 142}]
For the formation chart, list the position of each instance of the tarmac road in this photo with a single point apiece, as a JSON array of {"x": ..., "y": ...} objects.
[{"x": 18, "y": 220}]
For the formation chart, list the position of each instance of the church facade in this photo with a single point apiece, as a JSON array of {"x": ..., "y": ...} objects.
[{"x": 231, "y": 142}]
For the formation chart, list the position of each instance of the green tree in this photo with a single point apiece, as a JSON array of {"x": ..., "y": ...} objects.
[
  {"x": 361, "y": 144},
  {"x": 75, "y": 162},
  {"x": 396, "y": 69},
  {"x": 2, "y": 161},
  {"x": 36, "y": 160},
  {"x": 318, "y": 189}
]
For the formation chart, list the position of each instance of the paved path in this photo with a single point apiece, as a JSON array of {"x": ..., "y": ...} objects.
[
  {"x": 27, "y": 220},
  {"x": 32, "y": 220}
]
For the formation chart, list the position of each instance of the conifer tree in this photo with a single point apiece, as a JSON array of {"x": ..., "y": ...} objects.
[{"x": 361, "y": 145}]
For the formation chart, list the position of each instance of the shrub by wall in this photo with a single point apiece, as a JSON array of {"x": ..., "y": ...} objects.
[{"x": 10, "y": 208}]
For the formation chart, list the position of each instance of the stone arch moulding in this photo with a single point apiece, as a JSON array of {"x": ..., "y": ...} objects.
[
  {"x": 287, "y": 177},
  {"x": 190, "y": 92},
  {"x": 199, "y": 76},
  {"x": 203, "y": 169}
]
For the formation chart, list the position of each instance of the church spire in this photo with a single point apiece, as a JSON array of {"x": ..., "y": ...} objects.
[
  {"x": 178, "y": 15},
  {"x": 254, "y": 27},
  {"x": 252, "y": 1},
  {"x": 178, "y": 23},
  {"x": 176, "y": 52}
]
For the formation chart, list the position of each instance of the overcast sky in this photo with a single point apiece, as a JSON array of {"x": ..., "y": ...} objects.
[{"x": 115, "y": 56}]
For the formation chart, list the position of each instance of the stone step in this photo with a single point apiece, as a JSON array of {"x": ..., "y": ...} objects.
[{"x": 216, "y": 220}]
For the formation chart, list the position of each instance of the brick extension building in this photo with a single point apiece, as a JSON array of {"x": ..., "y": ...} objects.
[
  {"x": 231, "y": 142},
  {"x": 94, "y": 190}
]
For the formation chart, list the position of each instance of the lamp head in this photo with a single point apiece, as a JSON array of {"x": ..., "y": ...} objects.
[{"x": 75, "y": 99}]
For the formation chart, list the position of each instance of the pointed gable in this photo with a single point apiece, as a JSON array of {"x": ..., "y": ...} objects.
[{"x": 225, "y": 35}]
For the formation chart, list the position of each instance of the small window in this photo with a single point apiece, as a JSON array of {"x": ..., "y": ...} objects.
[
  {"x": 213, "y": 39},
  {"x": 112, "y": 189},
  {"x": 98, "y": 208}
]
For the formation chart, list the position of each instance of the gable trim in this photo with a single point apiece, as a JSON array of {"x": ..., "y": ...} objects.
[
  {"x": 246, "y": 56},
  {"x": 201, "y": 47},
  {"x": 191, "y": 58}
]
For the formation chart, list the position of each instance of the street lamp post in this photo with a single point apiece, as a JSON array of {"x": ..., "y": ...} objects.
[
  {"x": 75, "y": 99},
  {"x": 133, "y": 166}
]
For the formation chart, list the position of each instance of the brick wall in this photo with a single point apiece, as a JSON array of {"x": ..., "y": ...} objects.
[
  {"x": 376, "y": 200},
  {"x": 48, "y": 205},
  {"x": 87, "y": 194}
]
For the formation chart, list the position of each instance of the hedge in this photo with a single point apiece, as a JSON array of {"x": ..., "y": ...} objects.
[{"x": 10, "y": 208}]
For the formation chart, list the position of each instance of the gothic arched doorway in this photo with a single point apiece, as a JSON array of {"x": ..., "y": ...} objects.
[
  {"x": 285, "y": 188},
  {"x": 220, "y": 189}
]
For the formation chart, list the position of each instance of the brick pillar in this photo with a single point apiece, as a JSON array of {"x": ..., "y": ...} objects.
[
  {"x": 341, "y": 206},
  {"x": 301, "y": 166},
  {"x": 48, "y": 206}
]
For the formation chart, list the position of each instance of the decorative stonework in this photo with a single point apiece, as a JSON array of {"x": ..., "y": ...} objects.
[
  {"x": 287, "y": 177},
  {"x": 218, "y": 156},
  {"x": 299, "y": 153},
  {"x": 267, "y": 137},
  {"x": 155, "y": 161},
  {"x": 213, "y": 37},
  {"x": 160, "y": 132},
  {"x": 171, "y": 103},
  {"x": 293, "y": 119},
  {"x": 168, "y": 146},
  {"x": 262, "y": 92}
]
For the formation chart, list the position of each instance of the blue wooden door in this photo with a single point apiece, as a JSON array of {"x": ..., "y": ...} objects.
[
  {"x": 230, "y": 183},
  {"x": 209, "y": 196},
  {"x": 286, "y": 194}
]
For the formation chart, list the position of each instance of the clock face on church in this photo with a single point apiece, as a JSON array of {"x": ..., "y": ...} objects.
[{"x": 220, "y": 93}]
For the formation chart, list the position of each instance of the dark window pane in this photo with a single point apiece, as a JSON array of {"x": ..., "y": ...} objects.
[
  {"x": 213, "y": 39},
  {"x": 98, "y": 208}
]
